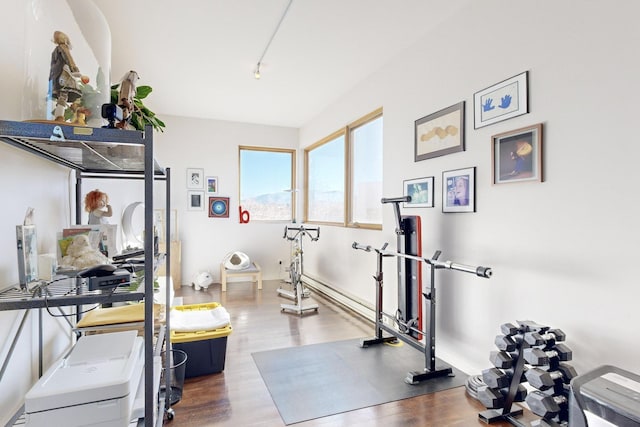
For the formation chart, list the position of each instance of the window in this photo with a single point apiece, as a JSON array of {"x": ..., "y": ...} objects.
[
  {"x": 325, "y": 180},
  {"x": 267, "y": 183},
  {"x": 343, "y": 175}
]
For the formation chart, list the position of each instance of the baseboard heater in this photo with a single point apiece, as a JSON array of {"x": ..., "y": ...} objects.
[{"x": 351, "y": 302}]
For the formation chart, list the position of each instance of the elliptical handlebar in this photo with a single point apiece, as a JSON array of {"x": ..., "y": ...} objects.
[
  {"x": 302, "y": 230},
  {"x": 405, "y": 199}
]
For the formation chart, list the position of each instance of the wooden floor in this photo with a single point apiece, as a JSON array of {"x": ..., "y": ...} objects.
[{"x": 238, "y": 396}]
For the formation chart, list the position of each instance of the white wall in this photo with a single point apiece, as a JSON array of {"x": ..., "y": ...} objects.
[
  {"x": 562, "y": 251},
  {"x": 212, "y": 145}
]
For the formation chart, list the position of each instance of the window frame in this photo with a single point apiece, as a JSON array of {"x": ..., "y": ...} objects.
[
  {"x": 348, "y": 173},
  {"x": 293, "y": 153}
]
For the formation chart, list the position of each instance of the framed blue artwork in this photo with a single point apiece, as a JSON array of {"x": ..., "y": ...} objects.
[
  {"x": 218, "y": 207},
  {"x": 502, "y": 101}
]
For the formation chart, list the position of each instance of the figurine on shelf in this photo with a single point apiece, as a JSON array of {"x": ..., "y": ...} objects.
[
  {"x": 126, "y": 95},
  {"x": 97, "y": 204},
  {"x": 63, "y": 75}
]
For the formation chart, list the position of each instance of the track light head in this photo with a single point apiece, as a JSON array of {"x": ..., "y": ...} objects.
[{"x": 256, "y": 73}]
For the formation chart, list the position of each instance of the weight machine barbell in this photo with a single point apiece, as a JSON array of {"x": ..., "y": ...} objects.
[{"x": 409, "y": 328}]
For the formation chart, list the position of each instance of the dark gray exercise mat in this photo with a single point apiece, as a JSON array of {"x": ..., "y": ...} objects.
[{"x": 319, "y": 380}]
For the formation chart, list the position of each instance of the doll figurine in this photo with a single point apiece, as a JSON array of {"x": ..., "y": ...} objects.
[
  {"x": 126, "y": 95},
  {"x": 64, "y": 72},
  {"x": 97, "y": 204}
]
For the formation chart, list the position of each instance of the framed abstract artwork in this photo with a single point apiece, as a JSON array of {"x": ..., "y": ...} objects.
[
  {"x": 195, "y": 178},
  {"x": 440, "y": 133},
  {"x": 212, "y": 184},
  {"x": 196, "y": 200},
  {"x": 218, "y": 207}
]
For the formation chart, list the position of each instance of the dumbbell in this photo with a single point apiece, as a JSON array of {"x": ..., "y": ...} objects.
[
  {"x": 505, "y": 343},
  {"x": 531, "y": 326},
  {"x": 544, "y": 380},
  {"x": 545, "y": 406},
  {"x": 553, "y": 336},
  {"x": 495, "y": 378},
  {"x": 509, "y": 329},
  {"x": 538, "y": 357},
  {"x": 501, "y": 359},
  {"x": 494, "y": 398}
]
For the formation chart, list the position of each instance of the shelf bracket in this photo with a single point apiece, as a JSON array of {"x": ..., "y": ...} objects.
[{"x": 57, "y": 134}]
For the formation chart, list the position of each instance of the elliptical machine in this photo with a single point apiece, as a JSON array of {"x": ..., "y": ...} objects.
[{"x": 295, "y": 234}]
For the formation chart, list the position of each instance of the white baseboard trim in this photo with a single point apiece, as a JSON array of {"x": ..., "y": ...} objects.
[{"x": 351, "y": 302}]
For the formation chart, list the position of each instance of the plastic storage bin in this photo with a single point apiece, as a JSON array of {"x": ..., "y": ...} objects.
[{"x": 206, "y": 350}]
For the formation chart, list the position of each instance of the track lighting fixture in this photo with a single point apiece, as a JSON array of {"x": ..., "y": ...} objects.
[{"x": 256, "y": 73}]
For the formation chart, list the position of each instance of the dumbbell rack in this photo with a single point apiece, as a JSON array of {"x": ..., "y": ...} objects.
[{"x": 518, "y": 344}]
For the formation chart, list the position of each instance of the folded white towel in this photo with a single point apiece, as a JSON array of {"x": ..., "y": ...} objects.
[{"x": 199, "y": 320}]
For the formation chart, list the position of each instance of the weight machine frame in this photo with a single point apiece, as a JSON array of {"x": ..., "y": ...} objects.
[
  {"x": 296, "y": 269},
  {"x": 429, "y": 348}
]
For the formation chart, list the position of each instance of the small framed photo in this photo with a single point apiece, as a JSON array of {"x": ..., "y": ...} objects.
[
  {"x": 196, "y": 200},
  {"x": 218, "y": 207},
  {"x": 212, "y": 184},
  {"x": 501, "y": 101},
  {"x": 440, "y": 133},
  {"x": 195, "y": 178},
  {"x": 516, "y": 156},
  {"x": 459, "y": 190},
  {"x": 421, "y": 192}
]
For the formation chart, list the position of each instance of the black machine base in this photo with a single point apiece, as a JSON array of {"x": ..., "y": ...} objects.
[
  {"x": 440, "y": 371},
  {"x": 494, "y": 415}
]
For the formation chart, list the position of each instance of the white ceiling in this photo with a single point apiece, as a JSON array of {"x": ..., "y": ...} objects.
[{"x": 199, "y": 55}]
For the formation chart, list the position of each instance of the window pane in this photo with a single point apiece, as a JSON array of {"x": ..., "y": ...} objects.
[
  {"x": 266, "y": 181},
  {"x": 325, "y": 169},
  {"x": 366, "y": 170}
]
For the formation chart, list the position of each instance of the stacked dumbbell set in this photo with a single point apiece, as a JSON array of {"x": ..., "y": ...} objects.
[{"x": 533, "y": 353}]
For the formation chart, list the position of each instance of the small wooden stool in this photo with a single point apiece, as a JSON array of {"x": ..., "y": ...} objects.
[{"x": 252, "y": 271}]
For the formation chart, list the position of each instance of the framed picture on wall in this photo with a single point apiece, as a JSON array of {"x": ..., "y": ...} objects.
[
  {"x": 218, "y": 207},
  {"x": 502, "y": 101},
  {"x": 421, "y": 192},
  {"x": 440, "y": 133},
  {"x": 459, "y": 190},
  {"x": 195, "y": 178},
  {"x": 196, "y": 200},
  {"x": 212, "y": 184},
  {"x": 516, "y": 156}
]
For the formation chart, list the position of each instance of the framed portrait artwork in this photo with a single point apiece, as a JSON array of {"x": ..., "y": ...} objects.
[
  {"x": 195, "y": 178},
  {"x": 196, "y": 200},
  {"x": 212, "y": 184},
  {"x": 502, "y": 101},
  {"x": 459, "y": 190},
  {"x": 218, "y": 207},
  {"x": 440, "y": 133},
  {"x": 421, "y": 192},
  {"x": 516, "y": 156}
]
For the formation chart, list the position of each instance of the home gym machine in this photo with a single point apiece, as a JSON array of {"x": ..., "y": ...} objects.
[
  {"x": 407, "y": 319},
  {"x": 295, "y": 234}
]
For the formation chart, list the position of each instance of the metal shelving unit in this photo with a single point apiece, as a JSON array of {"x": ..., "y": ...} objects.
[{"x": 100, "y": 153}]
